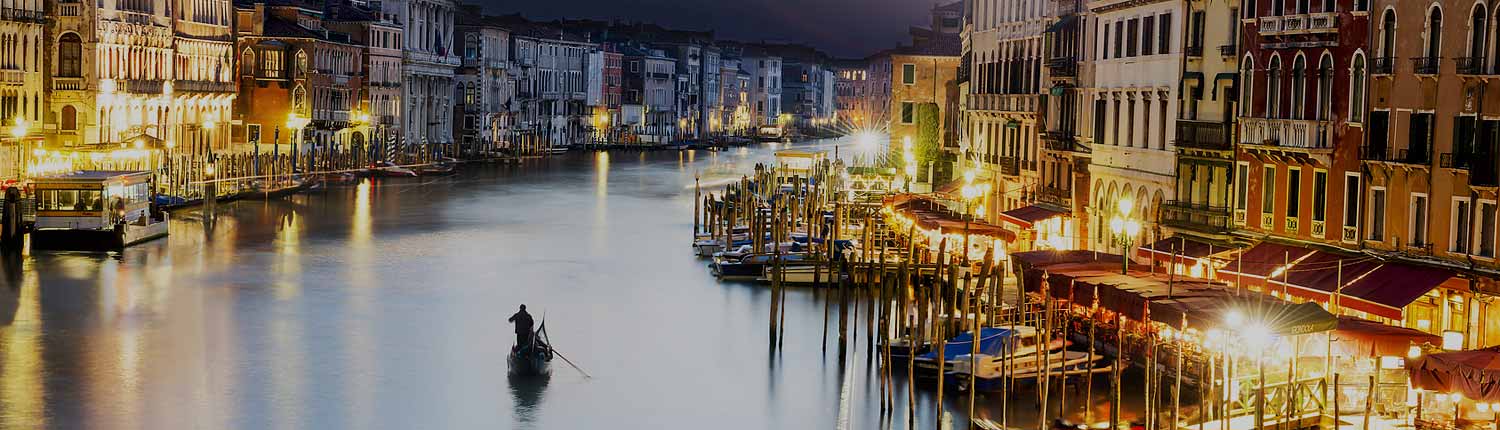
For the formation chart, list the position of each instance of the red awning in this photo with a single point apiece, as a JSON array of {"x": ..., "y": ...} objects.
[
  {"x": 1320, "y": 274},
  {"x": 1187, "y": 250},
  {"x": 1261, "y": 260},
  {"x": 1364, "y": 338},
  {"x": 1475, "y": 374},
  {"x": 1029, "y": 215},
  {"x": 1386, "y": 290}
]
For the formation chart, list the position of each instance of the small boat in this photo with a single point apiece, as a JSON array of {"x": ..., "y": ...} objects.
[
  {"x": 96, "y": 210},
  {"x": 390, "y": 170},
  {"x": 439, "y": 169},
  {"x": 994, "y": 342},
  {"x": 265, "y": 190},
  {"x": 749, "y": 267},
  {"x": 534, "y": 359},
  {"x": 991, "y": 375},
  {"x": 559, "y": 149}
]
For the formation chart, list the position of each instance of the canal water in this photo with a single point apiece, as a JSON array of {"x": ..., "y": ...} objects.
[{"x": 383, "y": 304}]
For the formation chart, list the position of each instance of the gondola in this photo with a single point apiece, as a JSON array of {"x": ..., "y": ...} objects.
[{"x": 533, "y": 359}]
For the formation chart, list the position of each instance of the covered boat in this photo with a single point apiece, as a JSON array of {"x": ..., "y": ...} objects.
[{"x": 96, "y": 210}]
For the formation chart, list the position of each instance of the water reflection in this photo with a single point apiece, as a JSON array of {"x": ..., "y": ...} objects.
[{"x": 527, "y": 393}]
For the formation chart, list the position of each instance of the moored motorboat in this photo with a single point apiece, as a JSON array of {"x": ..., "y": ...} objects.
[{"x": 388, "y": 169}]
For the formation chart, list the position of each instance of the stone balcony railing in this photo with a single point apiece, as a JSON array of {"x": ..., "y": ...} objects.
[
  {"x": 428, "y": 57},
  {"x": 12, "y": 77},
  {"x": 1286, "y": 133},
  {"x": 69, "y": 9},
  {"x": 21, "y": 15},
  {"x": 1196, "y": 216},
  {"x": 69, "y": 84},
  {"x": 1326, "y": 22},
  {"x": 203, "y": 86},
  {"x": 1002, "y": 102}
]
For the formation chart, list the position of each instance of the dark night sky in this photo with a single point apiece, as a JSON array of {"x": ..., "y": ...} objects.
[{"x": 844, "y": 28}]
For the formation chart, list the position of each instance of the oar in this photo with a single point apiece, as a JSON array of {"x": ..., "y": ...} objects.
[{"x": 543, "y": 330}]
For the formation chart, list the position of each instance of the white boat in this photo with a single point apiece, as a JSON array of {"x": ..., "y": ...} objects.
[
  {"x": 559, "y": 149},
  {"x": 991, "y": 372},
  {"x": 1022, "y": 340},
  {"x": 95, "y": 210}
]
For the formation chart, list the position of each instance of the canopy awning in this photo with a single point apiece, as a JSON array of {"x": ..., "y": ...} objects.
[
  {"x": 1025, "y": 217},
  {"x": 1474, "y": 374},
  {"x": 1261, "y": 260},
  {"x": 1386, "y": 290},
  {"x": 1186, "y": 250},
  {"x": 1319, "y": 275},
  {"x": 1364, "y": 338},
  {"x": 1233, "y": 78}
]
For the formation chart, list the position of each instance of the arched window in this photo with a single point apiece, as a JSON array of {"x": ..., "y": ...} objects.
[
  {"x": 1388, "y": 35},
  {"x": 1299, "y": 87},
  {"x": 1247, "y": 84},
  {"x": 69, "y": 118},
  {"x": 1434, "y": 34},
  {"x": 301, "y": 63},
  {"x": 1478, "y": 28},
  {"x": 1273, "y": 89},
  {"x": 1325, "y": 87},
  {"x": 299, "y": 98},
  {"x": 471, "y": 46},
  {"x": 70, "y": 56},
  {"x": 1357, "y": 89}
]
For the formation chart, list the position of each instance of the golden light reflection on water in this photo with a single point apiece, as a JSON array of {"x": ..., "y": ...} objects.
[
  {"x": 600, "y": 223},
  {"x": 289, "y": 248},
  {"x": 22, "y": 383},
  {"x": 360, "y": 228},
  {"x": 361, "y": 384}
]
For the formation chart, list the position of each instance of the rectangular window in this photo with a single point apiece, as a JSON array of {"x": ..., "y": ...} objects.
[
  {"x": 1377, "y": 214},
  {"x": 252, "y": 132},
  {"x": 1148, "y": 35},
  {"x": 1166, "y": 34},
  {"x": 1293, "y": 192},
  {"x": 1268, "y": 190},
  {"x": 1463, "y": 137},
  {"x": 908, "y": 114},
  {"x": 909, "y": 74},
  {"x": 1241, "y": 186},
  {"x": 1419, "y": 143},
  {"x": 1199, "y": 18},
  {"x": 1132, "y": 40},
  {"x": 1459, "y": 236},
  {"x": 1320, "y": 195},
  {"x": 1119, "y": 39},
  {"x": 1485, "y": 234},
  {"x": 1418, "y": 220},
  {"x": 1103, "y": 45}
]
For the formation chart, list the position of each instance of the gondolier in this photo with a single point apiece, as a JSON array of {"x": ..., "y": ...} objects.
[{"x": 523, "y": 324}]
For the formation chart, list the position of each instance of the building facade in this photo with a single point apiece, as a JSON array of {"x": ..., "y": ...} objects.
[
  {"x": 1204, "y": 137},
  {"x": 1003, "y": 115},
  {"x": 485, "y": 87},
  {"x": 427, "y": 69}
]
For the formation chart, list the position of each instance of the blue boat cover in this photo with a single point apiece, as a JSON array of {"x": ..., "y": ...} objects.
[{"x": 993, "y": 341}]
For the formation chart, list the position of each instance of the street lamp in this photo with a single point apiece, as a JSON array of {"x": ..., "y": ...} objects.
[
  {"x": 909, "y": 160},
  {"x": 1126, "y": 228}
]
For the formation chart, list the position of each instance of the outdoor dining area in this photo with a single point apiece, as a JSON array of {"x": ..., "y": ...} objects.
[{"x": 1220, "y": 355}]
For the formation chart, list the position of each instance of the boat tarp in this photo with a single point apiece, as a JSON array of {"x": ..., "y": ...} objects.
[
  {"x": 1262, "y": 259},
  {"x": 993, "y": 341},
  {"x": 1474, "y": 374},
  {"x": 1364, "y": 338}
]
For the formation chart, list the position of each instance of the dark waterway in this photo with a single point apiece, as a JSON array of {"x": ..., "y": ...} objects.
[{"x": 384, "y": 305}]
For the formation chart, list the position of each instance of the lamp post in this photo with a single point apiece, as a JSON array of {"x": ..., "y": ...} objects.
[
  {"x": 1126, "y": 228},
  {"x": 19, "y": 132},
  {"x": 296, "y": 122},
  {"x": 909, "y": 159}
]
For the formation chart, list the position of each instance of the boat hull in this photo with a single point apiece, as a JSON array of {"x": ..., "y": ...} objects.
[
  {"x": 97, "y": 240},
  {"x": 529, "y": 362}
]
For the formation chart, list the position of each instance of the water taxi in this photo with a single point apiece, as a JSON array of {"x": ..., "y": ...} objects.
[{"x": 95, "y": 210}]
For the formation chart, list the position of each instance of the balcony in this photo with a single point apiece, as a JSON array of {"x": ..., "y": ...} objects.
[
  {"x": 1230, "y": 50},
  {"x": 139, "y": 86},
  {"x": 12, "y": 77},
  {"x": 1063, "y": 67},
  {"x": 1383, "y": 154},
  {"x": 21, "y": 15},
  {"x": 69, "y": 84},
  {"x": 1383, "y": 65},
  {"x": 1203, "y": 135},
  {"x": 203, "y": 86},
  {"x": 1313, "y": 23},
  {"x": 1470, "y": 66},
  {"x": 1055, "y": 196},
  {"x": 1194, "y": 51},
  {"x": 1327, "y": 22},
  {"x": 1196, "y": 216},
  {"x": 1027, "y": 103},
  {"x": 1447, "y": 160},
  {"x": 1009, "y": 166},
  {"x": 1424, "y": 65},
  {"x": 69, "y": 9},
  {"x": 1286, "y": 133},
  {"x": 1059, "y": 141}
]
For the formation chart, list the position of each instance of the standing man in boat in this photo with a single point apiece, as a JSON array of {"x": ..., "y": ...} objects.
[{"x": 523, "y": 326}]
